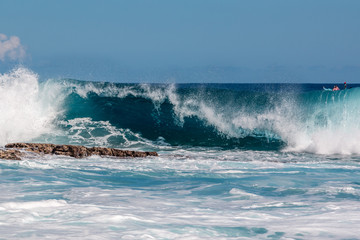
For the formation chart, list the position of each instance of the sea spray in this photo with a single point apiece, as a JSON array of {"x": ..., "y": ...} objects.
[
  {"x": 329, "y": 123},
  {"x": 236, "y": 161},
  {"x": 312, "y": 121},
  {"x": 180, "y": 114},
  {"x": 26, "y": 109},
  {"x": 248, "y": 117}
]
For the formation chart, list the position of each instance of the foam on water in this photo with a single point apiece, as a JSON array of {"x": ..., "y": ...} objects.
[
  {"x": 99, "y": 133},
  {"x": 331, "y": 125},
  {"x": 316, "y": 122},
  {"x": 191, "y": 191},
  {"x": 27, "y": 110},
  {"x": 183, "y": 194}
]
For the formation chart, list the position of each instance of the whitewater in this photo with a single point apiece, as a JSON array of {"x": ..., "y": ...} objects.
[{"x": 236, "y": 161}]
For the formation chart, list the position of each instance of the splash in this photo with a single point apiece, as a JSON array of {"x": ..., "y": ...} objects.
[
  {"x": 329, "y": 123},
  {"x": 26, "y": 109},
  {"x": 316, "y": 122},
  {"x": 154, "y": 115}
]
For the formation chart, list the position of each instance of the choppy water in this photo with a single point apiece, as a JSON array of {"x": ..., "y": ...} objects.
[{"x": 237, "y": 161}]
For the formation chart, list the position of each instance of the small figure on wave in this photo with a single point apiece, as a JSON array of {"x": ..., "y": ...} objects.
[{"x": 336, "y": 88}]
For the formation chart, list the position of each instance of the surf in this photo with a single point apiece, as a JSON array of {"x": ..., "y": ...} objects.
[
  {"x": 27, "y": 108},
  {"x": 266, "y": 117}
]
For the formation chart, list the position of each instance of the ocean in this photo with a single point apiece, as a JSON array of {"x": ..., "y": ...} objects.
[{"x": 236, "y": 161}]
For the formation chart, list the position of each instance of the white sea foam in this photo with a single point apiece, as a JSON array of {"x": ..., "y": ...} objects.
[
  {"x": 331, "y": 125},
  {"x": 182, "y": 194},
  {"x": 85, "y": 131},
  {"x": 187, "y": 193},
  {"x": 239, "y": 192},
  {"x": 287, "y": 120},
  {"x": 27, "y": 110},
  {"x": 319, "y": 126},
  {"x": 52, "y": 203},
  {"x": 284, "y": 121},
  {"x": 328, "y": 125}
]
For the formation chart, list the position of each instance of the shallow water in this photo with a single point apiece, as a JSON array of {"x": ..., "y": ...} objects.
[{"x": 183, "y": 194}]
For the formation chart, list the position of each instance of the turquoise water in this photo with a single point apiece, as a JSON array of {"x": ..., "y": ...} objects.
[
  {"x": 183, "y": 194},
  {"x": 235, "y": 161}
]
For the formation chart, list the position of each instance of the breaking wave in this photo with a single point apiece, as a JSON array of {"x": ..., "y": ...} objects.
[
  {"x": 255, "y": 117},
  {"x": 27, "y": 109}
]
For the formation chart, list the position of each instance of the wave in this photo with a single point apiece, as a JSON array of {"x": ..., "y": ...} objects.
[
  {"x": 255, "y": 117},
  {"x": 329, "y": 123},
  {"x": 27, "y": 109}
]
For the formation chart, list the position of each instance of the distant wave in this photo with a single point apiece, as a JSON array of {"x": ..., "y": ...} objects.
[{"x": 153, "y": 115}]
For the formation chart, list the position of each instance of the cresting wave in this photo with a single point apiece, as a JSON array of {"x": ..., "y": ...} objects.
[
  {"x": 251, "y": 117},
  {"x": 27, "y": 109}
]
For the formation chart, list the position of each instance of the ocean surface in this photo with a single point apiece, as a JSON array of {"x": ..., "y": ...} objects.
[{"x": 236, "y": 161}]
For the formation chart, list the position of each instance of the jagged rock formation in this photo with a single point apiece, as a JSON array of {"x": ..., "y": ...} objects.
[
  {"x": 10, "y": 154},
  {"x": 68, "y": 150}
]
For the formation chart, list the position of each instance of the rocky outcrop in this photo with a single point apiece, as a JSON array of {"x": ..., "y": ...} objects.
[
  {"x": 71, "y": 150},
  {"x": 10, "y": 154}
]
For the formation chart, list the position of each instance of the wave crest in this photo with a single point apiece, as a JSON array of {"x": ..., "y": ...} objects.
[
  {"x": 131, "y": 115},
  {"x": 27, "y": 110}
]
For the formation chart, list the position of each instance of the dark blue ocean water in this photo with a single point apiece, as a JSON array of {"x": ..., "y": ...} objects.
[{"x": 236, "y": 161}]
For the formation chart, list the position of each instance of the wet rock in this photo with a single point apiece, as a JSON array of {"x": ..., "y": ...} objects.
[
  {"x": 10, "y": 154},
  {"x": 76, "y": 151}
]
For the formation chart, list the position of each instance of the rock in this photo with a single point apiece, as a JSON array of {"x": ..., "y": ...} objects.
[
  {"x": 76, "y": 151},
  {"x": 10, "y": 154}
]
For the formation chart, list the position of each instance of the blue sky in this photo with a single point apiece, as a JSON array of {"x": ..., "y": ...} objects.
[{"x": 289, "y": 40}]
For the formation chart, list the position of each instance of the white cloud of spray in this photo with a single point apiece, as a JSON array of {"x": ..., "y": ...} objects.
[{"x": 11, "y": 48}]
